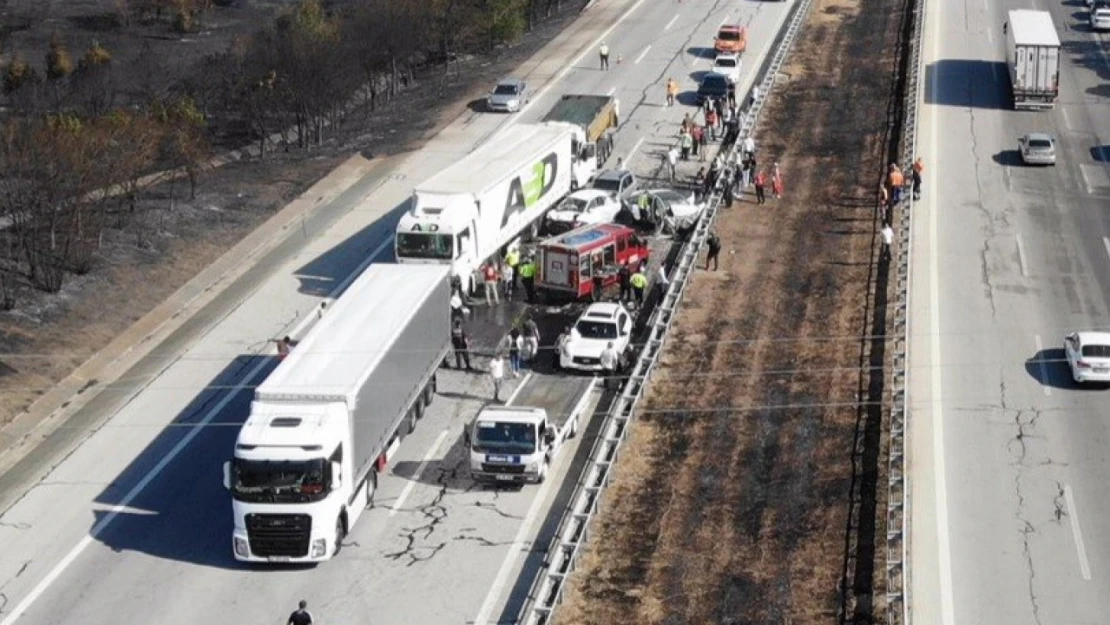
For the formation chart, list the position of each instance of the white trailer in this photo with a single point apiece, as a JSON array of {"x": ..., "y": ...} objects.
[
  {"x": 1033, "y": 58},
  {"x": 306, "y": 462},
  {"x": 466, "y": 213}
]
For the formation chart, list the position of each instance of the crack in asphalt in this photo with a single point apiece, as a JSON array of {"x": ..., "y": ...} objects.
[
  {"x": 22, "y": 525},
  {"x": 1058, "y": 502},
  {"x": 492, "y": 507},
  {"x": 1024, "y": 425}
]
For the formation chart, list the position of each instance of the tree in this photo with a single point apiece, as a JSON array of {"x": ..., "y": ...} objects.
[
  {"x": 18, "y": 75},
  {"x": 94, "y": 82},
  {"x": 184, "y": 144},
  {"x": 58, "y": 62}
]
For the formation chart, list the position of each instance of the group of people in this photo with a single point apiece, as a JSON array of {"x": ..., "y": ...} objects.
[
  {"x": 893, "y": 186},
  {"x": 500, "y": 277}
]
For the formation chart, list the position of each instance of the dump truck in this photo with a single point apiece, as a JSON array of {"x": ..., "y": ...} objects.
[
  {"x": 1033, "y": 59},
  {"x": 596, "y": 115},
  {"x": 306, "y": 462}
]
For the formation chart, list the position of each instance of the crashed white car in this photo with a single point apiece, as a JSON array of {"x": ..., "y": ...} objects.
[
  {"x": 583, "y": 207},
  {"x": 600, "y": 325},
  {"x": 678, "y": 210}
]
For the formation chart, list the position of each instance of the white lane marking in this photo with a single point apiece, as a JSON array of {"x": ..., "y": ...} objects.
[
  {"x": 642, "y": 55},
  {"x": 1067, "y": 118},
  {"x": 944, "y": 558},
  {"x": 517, "y": 547},
  {"x": 641, "y": 140},
  {"x": 1106, "y": 244},
  {"x": 1086, "y": 180},
  {"x": 519, "y": 387},
  {"x": 1021, "y": 256},
  {"x": 191, "y": 434},
  {"x": 1041, "y": 364},
  {"x": 536, "y": 97},
  {"x": 611, "y": 91},
  {"x": 1073, "y": 516},
  {"x": 671, "y": 23},
  {"x": 419, "y": 471}
]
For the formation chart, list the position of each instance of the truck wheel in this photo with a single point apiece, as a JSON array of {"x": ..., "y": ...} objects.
[
  {"x": 430, "y": 391},
  {"x": 371, "y": 487},
  {"x": 573, "y": 429},
  {"x": 340, "y": 534},
  {"x": 414, "y": 415}
]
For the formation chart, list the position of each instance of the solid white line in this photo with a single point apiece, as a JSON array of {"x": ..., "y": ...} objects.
[
  {"x": 642, "y": 55},
  {"x": 628, "y": 161},
  {"x": 517, "y": 547},
  {"x": 1106, "y": 244},
  {"x": 1041, "y": 364},
  {"x": 611, "y": 91},
  {"x": 566, "y": 68},
  {"x": 944, "y": 557},
  {"x": 1073, "y": 516},
  {"x": 519, "y": 387},
  {"x": 419, "y": 471},
  {"x": 1021, "y": 256},
  {"x": 191, "y": 434},
  {"x": 671, "y": 23}
]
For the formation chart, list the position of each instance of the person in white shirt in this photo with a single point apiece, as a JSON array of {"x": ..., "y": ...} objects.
[
  {"x": 888, "y": 238},
  {"x": 497, "y": 374},
  {"x": 458, "y": 311},
  {"x": 609, "y": 360},
  {"x": 672, "y": 161},
  {"x": 749, "y": 146}
]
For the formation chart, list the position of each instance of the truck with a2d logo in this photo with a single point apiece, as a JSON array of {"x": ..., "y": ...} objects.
[{"x": 466, "y": 213}]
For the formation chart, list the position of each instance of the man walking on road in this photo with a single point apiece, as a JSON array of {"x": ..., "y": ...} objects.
[
  {"x": 624, "y": 277},
  {"x": 531, "y": 339},
  {"x": 497, "y": 374},
  {"x": 301, "y": 615},
  {"x": 888, "y": 239},
  {"x": 603, "y": 52},
  {"x": 528, "y": 277},
  {"x": 461, "y": 345},
  {"x": 609, "y": 360},
  {"x": 672, "y": 161},
  {"x": 672, "y": 91},
  {"x": 491, "y": 276},
  {"x": 918, "y": 168},
  {"x": 714, "y": 244}
]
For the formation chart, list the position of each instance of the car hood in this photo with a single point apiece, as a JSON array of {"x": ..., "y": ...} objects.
[
  {"x": 501, "y": 98},
  {"x": 587, "y": 348},
  {"x": 571, "y": 216}
]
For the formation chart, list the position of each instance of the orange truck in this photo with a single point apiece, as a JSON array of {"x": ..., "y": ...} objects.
[{"x": 731, "y": 39}]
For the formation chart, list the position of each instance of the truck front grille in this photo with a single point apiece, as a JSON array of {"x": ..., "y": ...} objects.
[
  {"x": 502, "y": 468},
  {"x": 282, "y": 535}
]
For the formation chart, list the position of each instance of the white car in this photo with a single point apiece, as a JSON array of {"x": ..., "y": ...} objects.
[
  {"x": 1088, "y": 355},
  {"x": 728, "y": 65},
  {"x": 1100, "y": 16},
  {"x": 1037, "y": 148},
  {"x": 585, "y": 206},
  {"x": 600, "y": 325},
  {"x": 678, "y": 208}
]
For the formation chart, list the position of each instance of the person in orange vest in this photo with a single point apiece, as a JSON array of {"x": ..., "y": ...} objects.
[
  {"x": 918, "y": 168},
  {"x": 672, "y": 91},
  {"x": 895, "y": 180}
]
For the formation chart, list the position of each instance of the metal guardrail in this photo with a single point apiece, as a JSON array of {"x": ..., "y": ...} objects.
[
  {"x": 549, "y": 586},
  {"x": 898, "y": 496}
]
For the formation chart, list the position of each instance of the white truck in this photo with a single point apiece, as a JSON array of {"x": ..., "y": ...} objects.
[
  {"x": 306, "y": 461},
  {"x": 466, "y": 213},
  {"x": 1033, "y": 58},
  {"x": 516, "y": 444}
]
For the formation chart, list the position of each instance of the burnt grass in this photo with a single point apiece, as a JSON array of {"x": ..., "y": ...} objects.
[{"x": 752, "y": 489}]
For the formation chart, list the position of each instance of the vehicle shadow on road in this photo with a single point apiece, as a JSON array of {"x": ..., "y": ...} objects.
[
  {"x": 1101, "y": 153},
  {"x": 1087, "y": 52},
  {"x": 969, "y": 83},
  {"x": 1049, "y": 367},
  {"x": 699, "y": 52},
  {"x": 184, "y": 513},
  {"x": 1008, "y": 158}
]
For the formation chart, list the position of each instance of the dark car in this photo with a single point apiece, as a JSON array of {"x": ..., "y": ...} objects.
[{"x": 713, "y": 86}]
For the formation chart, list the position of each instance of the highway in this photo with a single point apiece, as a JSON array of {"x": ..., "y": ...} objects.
[
  {"x": 1008, "y": 459},
  {"x": 125, "y": 521}
]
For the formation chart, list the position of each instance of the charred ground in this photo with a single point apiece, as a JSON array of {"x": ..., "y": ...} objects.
[{"x": 747, "y": 492}]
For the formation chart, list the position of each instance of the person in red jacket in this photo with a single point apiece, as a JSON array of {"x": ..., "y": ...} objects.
[{"x": 760, "y": 186}]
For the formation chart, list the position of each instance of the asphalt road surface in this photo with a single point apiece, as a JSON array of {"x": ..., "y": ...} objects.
[
  {"x": 130, "y": 523},
  {"x": 1009, "y": 460}
]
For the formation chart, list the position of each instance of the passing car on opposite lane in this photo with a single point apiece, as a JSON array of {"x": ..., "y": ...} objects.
[
  {"x": 585, "y": 206},
  {"x": 1037, "y": 148},
  {"x": 509, "y": 95},
  {"x": 1088, "y": 355}
]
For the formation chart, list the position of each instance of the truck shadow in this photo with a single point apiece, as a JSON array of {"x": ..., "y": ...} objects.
[
  {"x": 968, "y": 83},
  {"x": 1087, "y": 53},
  {"x": 184, "y": 513}
]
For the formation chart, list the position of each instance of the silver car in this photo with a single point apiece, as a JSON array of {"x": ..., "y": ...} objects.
[
  {"x": 1037, "y": 148},
  {"x": 509, "y": 95}
]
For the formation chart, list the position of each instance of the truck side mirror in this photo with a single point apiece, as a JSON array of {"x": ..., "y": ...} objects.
[
  {"x": 549, "y": 435},
  {"x": 227, "y": 475},
  {"x": 336, "y": 477}
]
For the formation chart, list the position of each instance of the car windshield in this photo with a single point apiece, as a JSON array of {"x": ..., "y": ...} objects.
[
  {"x": 287, "y": 481},
  {"x": 492, "y": 437},
  {"x": 608, "y": 184},
  {"x": 596, "y": 329},
  {"x": 1040, "y": 143},
  {"x": 728, "y": 35},
  {"x": 1096, "y": 351},
  {"x": 422, "y": 245},
  {"x": 505, "y": 89},
  {"x": 573, "y": 204},
  {"x": 726, "y": 63}
]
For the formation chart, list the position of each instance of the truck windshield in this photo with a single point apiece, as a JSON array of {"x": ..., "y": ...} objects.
[
  {"x": 504, "y": 438},
  {"x": 425, "y": 245},
  {"x": 279, "y": 482},
  {"x": 596, "y": 330}
]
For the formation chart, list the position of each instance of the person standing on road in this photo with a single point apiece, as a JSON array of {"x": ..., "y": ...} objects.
[
  {"x": 714, "y": 245},
  {"x": 711, "y": 123},
  {"x": 687, "y": 143},
  {"x": 661, "y": 280},
  {"x": 516, "y": 344},
  {"x": 624, "y": 277},
  {"x": 888, "y": 239},
  {"x": 639, "y": 283},
  {"x": 300, "y": 616},
  {"x": 760, "y": 184},
  {"x": 609, "y": 359},
  {"x": 896, "y": 181},
  {"x": 497, "y": 374},
  {"x": 512, "y": 260},
  {"x": 560, "y": 347},
  {"x": 672, "y": 91},
  {"x": 696, "y": 133},
  {"x": 491, "y": 276},
  {"x": 528, "y": 277},
  {"x": 284, "y": 346},
  {"x": 531, "y": 339},
  {"x": 461, "y": 344},
  {"x": 458, "y": 309},
  {"x": 749, "y": 147},
  {"x": 918, "y": 169},
  {"x": 603, "y": 52},
  {"x": 672, "y": 161},
  {"x": 755, "y": 96}
]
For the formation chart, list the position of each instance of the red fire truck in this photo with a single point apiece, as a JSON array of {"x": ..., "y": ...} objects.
[{"x": 569, "y": 263}]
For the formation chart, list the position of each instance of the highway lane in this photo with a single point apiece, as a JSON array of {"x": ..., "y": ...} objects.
[
  {"x": 172, "y": 533},
  {"x": 1008, "y": 461}
]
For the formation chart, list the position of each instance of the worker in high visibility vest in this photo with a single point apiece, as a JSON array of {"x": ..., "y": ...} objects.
[
  {"x": 639, "y": 282},
  {"x": 512, "y": 261},
  {"x": 528, "y": 277}
]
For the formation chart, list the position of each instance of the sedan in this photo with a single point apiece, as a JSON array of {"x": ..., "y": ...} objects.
[
  {"x": 509, "y": 95},
  {"x": 1037, "y": 148},
  {"x": 678, "y": 210},
  {"x": 1088, "y": 355},
  {"x": 713, "y": 86},
  {"x": 727, "y": 65},
  {"x": 587, "y": 206}
]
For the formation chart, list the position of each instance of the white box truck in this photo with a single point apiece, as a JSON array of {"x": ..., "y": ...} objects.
[
  {"x": 306, "y": 461},
  {"x": 466, "y": 213},
  {"x": 1033, "y": 58},
  {"x": 512, "y": 444}
]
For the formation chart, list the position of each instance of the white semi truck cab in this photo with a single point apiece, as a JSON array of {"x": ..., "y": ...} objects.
[{"x": 514, "y": 444}]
